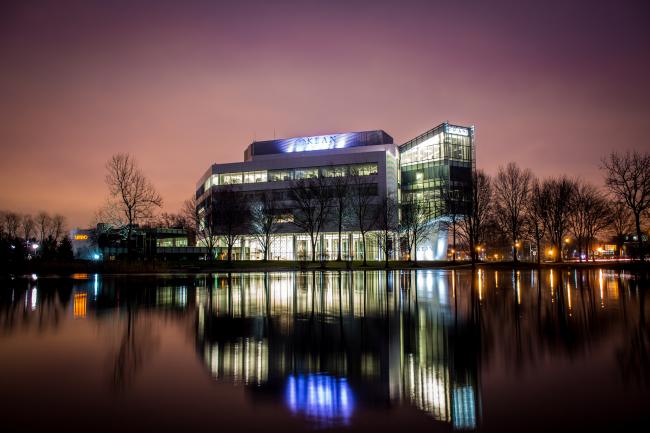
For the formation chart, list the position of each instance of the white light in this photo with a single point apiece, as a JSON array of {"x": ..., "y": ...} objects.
[
  {"x": 35, "y": 246},
  {"x": 457, "y": 130},
  {"x": 95, "y": 256},
  {"x": 34, "y": 277}
]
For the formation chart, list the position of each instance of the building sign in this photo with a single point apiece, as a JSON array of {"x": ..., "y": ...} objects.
[
  {"x": 318, "y": 142},
  {"x": 80, "y": 237},
  {"x": 457, "y": 130}
]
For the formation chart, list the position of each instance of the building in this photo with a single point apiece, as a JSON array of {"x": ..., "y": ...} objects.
[
  {"x": 430, "y": 168},
  {"x": 108, "y": 243}
]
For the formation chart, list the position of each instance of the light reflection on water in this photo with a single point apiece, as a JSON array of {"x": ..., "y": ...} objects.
[{"x": 333, "y": 346}]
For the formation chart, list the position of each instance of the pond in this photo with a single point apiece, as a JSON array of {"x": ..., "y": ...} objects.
[{"x": 426, "y": 350}]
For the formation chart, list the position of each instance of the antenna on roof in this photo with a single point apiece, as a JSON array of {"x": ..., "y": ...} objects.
[{"x": 274, "y": 133}]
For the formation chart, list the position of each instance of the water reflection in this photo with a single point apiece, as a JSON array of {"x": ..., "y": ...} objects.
[{"x": 331, "y": 345}]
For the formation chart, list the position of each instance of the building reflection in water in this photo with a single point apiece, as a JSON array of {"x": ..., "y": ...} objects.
[
  {"x": 330, "y": 339},
  {"x": 323, "y": 398},
  {"x": 331, "y": 344}
]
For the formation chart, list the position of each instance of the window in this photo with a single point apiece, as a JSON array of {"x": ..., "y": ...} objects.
[
  {"x": 255, "y": 176},
  {"x": 284, "y": 218},
  {"x": 230, "y": 178},
  {"x": 363, "y": 169},
  {"x": 334, "y": 171},
  {"x": 306, "y": 173},
  {"x": 280, "y": 175}
]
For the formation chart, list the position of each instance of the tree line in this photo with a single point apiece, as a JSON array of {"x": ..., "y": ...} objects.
[
  {"x": 518, "y": 206},
  {"x": 33, "y": 237},
  {"x": 513, "y": 205}
]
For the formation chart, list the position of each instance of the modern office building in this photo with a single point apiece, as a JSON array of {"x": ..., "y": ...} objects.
[{"x": 427, "y": 167}]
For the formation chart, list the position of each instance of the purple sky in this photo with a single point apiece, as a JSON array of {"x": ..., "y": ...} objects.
[{"x": 552, "y": 85}]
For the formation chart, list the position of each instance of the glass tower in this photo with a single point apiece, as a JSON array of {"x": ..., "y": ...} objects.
[{"x": 436, "y": 170}]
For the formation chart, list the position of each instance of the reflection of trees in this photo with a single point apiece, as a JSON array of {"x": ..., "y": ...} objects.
[
  {"x": 137, "y": 342},
  {"x": 28, "y": 303},
  {"x": 633, "y": 358}
]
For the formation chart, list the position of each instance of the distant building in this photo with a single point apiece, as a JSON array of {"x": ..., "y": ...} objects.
[
  {"x": 427, "y": 167},
  {"x": 108, "y": 243}
]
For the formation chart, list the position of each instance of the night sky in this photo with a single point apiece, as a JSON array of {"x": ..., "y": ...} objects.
[{"x": 552, "y": 85}]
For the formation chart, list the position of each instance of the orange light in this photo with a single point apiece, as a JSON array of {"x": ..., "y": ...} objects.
[
  {"x": 80, "y": 302},
  {"x": 80, "y": 237}
]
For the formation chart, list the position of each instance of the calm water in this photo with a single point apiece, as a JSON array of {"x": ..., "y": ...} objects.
[{"x": 402, "y": 351}]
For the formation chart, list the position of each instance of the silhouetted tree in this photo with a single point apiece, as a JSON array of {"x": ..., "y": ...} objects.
[
  {"x": 27, "y": 225},
  {"x": 58, "y": 227},
  {"x": 11, "y": 224},
  {"x": 339, "y": 185},
  {"x": 627, "y": 176},
  {"x": 511, "y": 190},
  {"x": 558, "y": 193},
  {"x": 387, "y": 224},
  {"x": 264, "y": 221},
  {"x": 621, "y": 224},
  {"x": 312, "y": 208},
  {"x": 415, "y": 223},
  {"x": 64, "y": 249},
  {"x": 202, "y": 222},
  {"x": 363, "y": 206},
  {"x": 132, "y": 197},
  {"x": 455, "y": 207},
  {"x": 43, "y": 225},
  {"x": 473, "y": 222},
  {"x": 535, "y": 216},
  {"x": 231, "y": 216}
]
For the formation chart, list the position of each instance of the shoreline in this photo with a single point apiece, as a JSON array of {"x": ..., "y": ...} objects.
[{"x": 166, "y": 267}]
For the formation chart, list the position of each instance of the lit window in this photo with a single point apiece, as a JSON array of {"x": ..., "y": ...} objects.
[
  {"x": 230, "y": 178},
  {"x": 306, "y": 173}
]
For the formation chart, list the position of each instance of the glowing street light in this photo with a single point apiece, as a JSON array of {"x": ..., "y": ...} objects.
[{"x": 35, "y": 246}]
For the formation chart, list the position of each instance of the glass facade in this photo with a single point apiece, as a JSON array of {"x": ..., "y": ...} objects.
[
  {"x": 437, "y": 165},
  {"x": 434, "y": 168}
]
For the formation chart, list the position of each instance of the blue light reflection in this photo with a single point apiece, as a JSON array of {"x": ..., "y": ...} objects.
[{"x": 322, "y": 397}]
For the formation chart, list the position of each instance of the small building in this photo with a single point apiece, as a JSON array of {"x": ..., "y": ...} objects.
[{"x": 106, "y": 242}]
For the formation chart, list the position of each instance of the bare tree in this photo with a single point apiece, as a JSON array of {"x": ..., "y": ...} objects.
[
  {"x": 339, "y": 186},
  {"x": 363, "y": 207},
  {"x": 202, "y": 222},
  {"x": 387, "y": 224},
  {"x": 621, "y": 224},
  {"x": 264, "y": 221},
  {"x": 43, "y": 225},
  {"x": 473, "y": 222},
  {"x": 627, "y": 176},
  {"x": 27, "y": 225},
  {"x": 58, "y": 227},
  {"x": 132, "y": 197},
  {"x": 12, "y": 224},
  {"x": 591, "y": 215},
  {"x": 415, "y": 223},
  {"x": 3, "y": 230},
  {"x": 230, "y": 215},
  {"x": 312, "y": 208},
  {"x": 512, "y": 189},
  {"x": 558, "y": 193},
  {"x": 535, "y": 212},
  {"x": 454, "y": 210}
]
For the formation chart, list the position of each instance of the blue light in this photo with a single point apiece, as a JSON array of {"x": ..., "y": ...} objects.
[
  {"x": 95, "y": 256},
  {"x": 318, "y": 142},
  {"x": 323, "y": 398}
]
